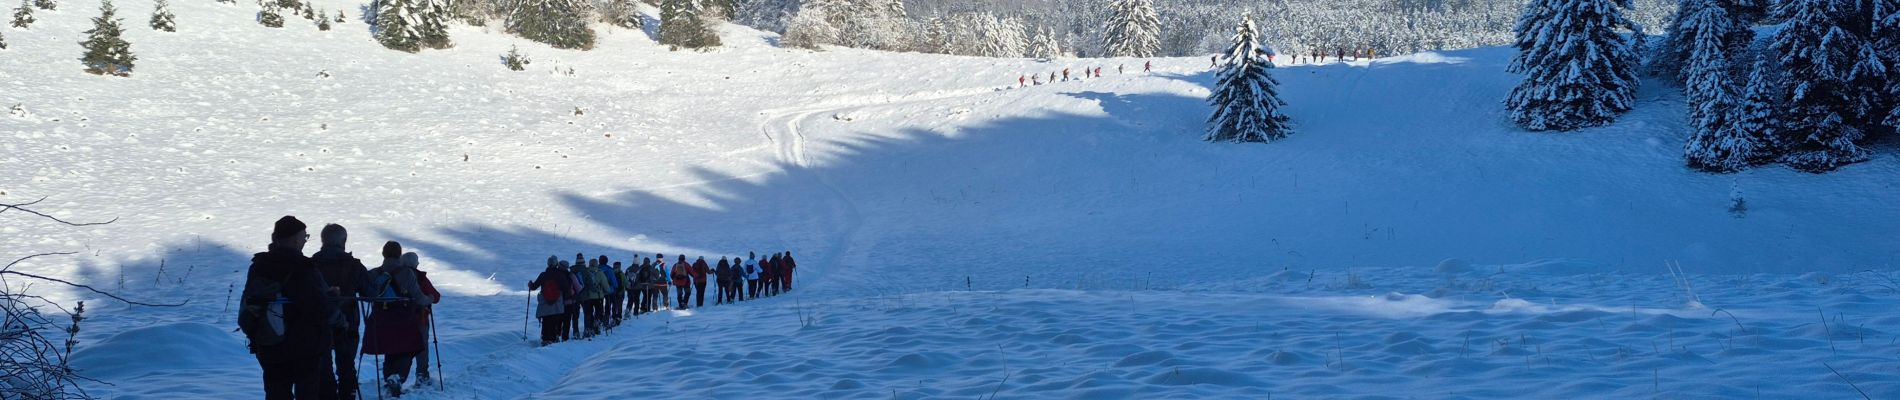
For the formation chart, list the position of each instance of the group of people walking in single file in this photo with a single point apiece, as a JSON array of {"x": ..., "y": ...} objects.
[{"x": 588, "y": 296}]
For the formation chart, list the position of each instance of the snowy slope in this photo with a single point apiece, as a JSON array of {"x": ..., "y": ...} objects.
[{"x": 902, "y": 178}]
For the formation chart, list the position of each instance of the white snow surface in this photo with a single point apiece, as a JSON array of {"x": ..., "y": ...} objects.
[{"x": 958, "y": 237}]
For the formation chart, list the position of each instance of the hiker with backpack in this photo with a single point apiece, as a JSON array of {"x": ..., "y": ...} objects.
[
  {"x": 288, "y": 316},
  {"x": 752, "y": 276},
  {"x": 665, "y": 281},
  {"x": 723, "y": 278},
  {"x": 617, "y": 299},
  {"x": 393, "y": 325},
  {"x": 700, "y": 270},
  {"x": 550, "y": 306},
  {"x": 347, "y": 277},
  {"x": 643, "y": 287},
  {"x": 577, "y": 313},
  {"x": 427, "y": 321},
  {"x": 682, "y": 282},
  {"x": 593, "y": 297}
]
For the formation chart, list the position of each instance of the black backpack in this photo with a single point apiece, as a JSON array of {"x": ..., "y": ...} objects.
[{"x": 261, "y": 313}]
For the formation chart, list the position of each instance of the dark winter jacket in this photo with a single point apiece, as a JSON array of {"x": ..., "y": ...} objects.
[
  {"x": 307, "y": 317},
  {"x": 725, "y": 272},
  {"x": 346, "y": 273},
  {"x": 790, "y": 265}
]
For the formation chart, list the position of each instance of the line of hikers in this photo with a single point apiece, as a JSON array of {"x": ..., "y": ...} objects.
[
  {"x": 587, "y": 297},
  {"x": 304, "y": 315},
  {"x": 1035, "y": 79}
]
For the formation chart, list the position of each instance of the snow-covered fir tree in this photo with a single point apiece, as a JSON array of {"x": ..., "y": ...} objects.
[
  {"x": 107, "y": 53},
  {"x": 1132, "y": 29},
  {"x": 558, "y": 23},
  {"x": 514, "y": 60},
  {"x": 1669, "y": 59},
  {"x": 1829, "y": 73},
  {"x": 682, "y": 24},
  {"x": 1579, "y": 72},
  {"x": 411, "y": 25},
  {"x": 268, "y": 15},
  {"x": 323, "y": 21},
  {"x": 1044, "y": 45},
  {"x": 162, "y": 17},
  {"x": 985, "y": 35},
  {"x": 1887, "y": 42},
  {"x": 3, "y": 41},
  {"x": 23, "y": 16},
  {"x": 871, "y": 24},
  {"x": 1755, "y": 115},
  {"x": 1715, "y": 144},
  {"x": 48, "y": 5},
  {"x": 1246, "y": 98}
]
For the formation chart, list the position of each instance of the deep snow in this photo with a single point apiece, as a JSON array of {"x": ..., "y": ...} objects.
[{"x": 1108, "y": 253}]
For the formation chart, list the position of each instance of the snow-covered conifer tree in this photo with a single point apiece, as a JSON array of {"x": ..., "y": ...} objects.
[
  {"x": 162, "y": 17},
  {"x": 1579, "y": 72},
  {"x": 1669, "y": 59},
  {"x": 1887, "y": 42},
  {"x": 23, "y": 16},
  {"x": 682, "y": 24},
  {"x": 1132, "y": 29},
  {"x": 268, "y": 16},
  {"x": 1755, "y": 115},
  {"x": 396, "y": 25},
  {"x": 1246, "y": 98},
  {"x": 1715, "y": 143},
  {"x": 1829, "y": 71},
  {"x": 432, "y": 24},
  {"x": 323, "y": 21},
  {"x": 48, "y": 5},
  {"x": 106, "y": 52},
  {"x": 1044, "y": 45},
  {"x": 559, "y": 23}
]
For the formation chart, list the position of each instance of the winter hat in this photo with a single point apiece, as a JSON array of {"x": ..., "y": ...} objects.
[
  {"x": 392, "y": 250},
  {"x": 553, "y": 261},
  {"x": 411, "y": 260},
  {"x": 286, "y": 226},
  {"x": 334, "y": 235},
  {"x": 564, "y": 264}
]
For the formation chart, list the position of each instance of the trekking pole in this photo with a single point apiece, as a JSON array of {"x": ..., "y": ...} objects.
[
  {"x": 362, "y": 308},
  {"x": 525, "y": 319},
  {"x": 439, "y": 373},
  {"x": 379, "y": 361}
]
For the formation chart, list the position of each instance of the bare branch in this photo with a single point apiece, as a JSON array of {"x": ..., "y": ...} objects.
[
  {"x": 11, "y": 264},
  {"x": 100, "y": 292},
  {"x": 22, "y": 208}
]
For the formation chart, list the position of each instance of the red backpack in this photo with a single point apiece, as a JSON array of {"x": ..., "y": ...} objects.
[{"x": 551, "y": 290}]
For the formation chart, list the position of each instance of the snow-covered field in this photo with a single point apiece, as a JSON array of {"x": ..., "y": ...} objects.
[{"x": 957, "y": 237}]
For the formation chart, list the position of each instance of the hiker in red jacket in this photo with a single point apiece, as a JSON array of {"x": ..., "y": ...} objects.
[
  {"x": 682, "y": 281},
  {"x": 791, "y": 266},
  {"x": 1065, "y": 74},
  {"x": 428, "y": 318},
  {"x": 699, "y": 281},
  {"x": 1148, "y": 66},
  {"x": 1022, "y": 81}
]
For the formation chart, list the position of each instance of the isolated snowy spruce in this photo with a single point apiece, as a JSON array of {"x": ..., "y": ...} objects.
[
  {"x": 162, "y": 18},
  {"x": 1578, "y": 71},
  {"x": 106, "y": 52},
  {"x": 23, "y": 16},
  {"x": 1246, "y": 99}
]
